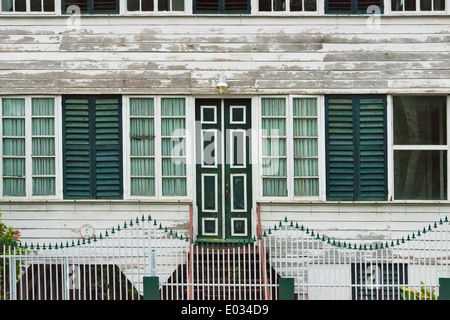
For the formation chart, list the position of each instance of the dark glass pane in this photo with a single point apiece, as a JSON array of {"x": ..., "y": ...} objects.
[
  {"x": 236, "y": 5},
  {"x": 410, "y": 5},
  {"x": 147, "y": 5},
  {"x": 403, "y": 5},
  {"x": 310, "y": 5},
  {"x": 279, "y": 5},
  {"x": 7, "y": 5},
  {"x": 265, "y": 5},
  {"x": 296, "y": 5},
  {"x": 339, "y": 5},
  {"x": 425, "y": 5},
  {"x": 420, "y": 174},
  {"x": 49, "y": 5},
  {"x": 163, "y": 5},
  {"x": 420, "y": 120},
  {"x": 21, "y": 5},
  {"x": 177, "y": 5},
  {"x": 439, "y": 5},
  {"x": 206, "y": 5},
  {"x": 104, "y": 5},
  {"x": 35, "y": 5},
  {"x": 133, "y": 5},
  {"x": 82, "y": 4}
]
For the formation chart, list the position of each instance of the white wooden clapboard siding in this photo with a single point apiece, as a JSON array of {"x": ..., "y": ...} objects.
[
  {"x": 56, "y": 221},
  {"x": 357, "y": 222},
  {"x": 50, "y": 221},
  {"x": 259, "y": 54}
]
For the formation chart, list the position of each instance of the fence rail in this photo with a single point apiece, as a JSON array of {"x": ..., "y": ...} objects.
[{"x": 113, "y": 265}]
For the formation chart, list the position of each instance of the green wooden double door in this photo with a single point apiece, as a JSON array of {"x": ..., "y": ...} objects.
[{"x": 223, "y": 169}]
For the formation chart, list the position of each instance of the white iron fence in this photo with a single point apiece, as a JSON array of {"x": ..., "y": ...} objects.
[
  {"x": 112, "y": 266},
  {"x": 324, "y": 268}
]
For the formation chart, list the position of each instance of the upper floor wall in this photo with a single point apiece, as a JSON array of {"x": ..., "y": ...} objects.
[{"x": 258, "y": 54}]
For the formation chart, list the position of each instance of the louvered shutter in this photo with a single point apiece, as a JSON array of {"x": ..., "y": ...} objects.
[
  {"x": 77, "y": 154},
  {"x": 372, "y": 149},
  {"x": 356, "y": 148},
  {"x": 108, "y": 150},
  {"x": 92, "y": 148}
]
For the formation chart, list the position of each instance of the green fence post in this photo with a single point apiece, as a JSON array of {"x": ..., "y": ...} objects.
[
  {"x": 444, "y": 288},
  {"x": 151, "y": 288},
  {"x": 286, "y": 289}
]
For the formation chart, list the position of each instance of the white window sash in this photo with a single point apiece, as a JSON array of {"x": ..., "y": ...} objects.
[
  {"x": 158, "y": 152},
  {"x": 28, "y": 148},
  {"x": 290, "y": 150}
]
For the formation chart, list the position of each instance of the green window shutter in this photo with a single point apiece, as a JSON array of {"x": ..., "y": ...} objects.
[
  {"x": 77, "y": 155},
  {"x": 372, "y": 149},
  {"x": 92, "y": 148},
  {"x": 356, "y": 148},
  {"x": 108, "y": 149}
]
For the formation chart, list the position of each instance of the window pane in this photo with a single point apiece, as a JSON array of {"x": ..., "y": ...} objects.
[
  {"x": 163, "y": 5},
  {"x": 173, "y": 147},
  {"x": 310, "y": 5},
  {"x": 35, "y": 5},
  {"x": 265, "y": 5},
  {"x": 420, "y": 120},
  {"x": 177, "y": 5},
  {"x": 274, "y": 162},
  {"x": 142, "y": 147},
  {"x": 306, "y": 180},
  {"x": 439, "y": 5},
  {"x": 49, "y": 5},
  {"x": 7, "y": 5},
  {"x": 133, "y": 5},
  {"x": 279, "y": 5},
  {"x": 420, "y": 174},
  {"x": 296, "y": 5},
  {"x": 21, "y": 5},
  {"x": 425, "y": 5}
]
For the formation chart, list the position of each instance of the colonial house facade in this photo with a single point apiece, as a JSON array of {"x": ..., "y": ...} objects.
[{"x": 330, "y": 112}]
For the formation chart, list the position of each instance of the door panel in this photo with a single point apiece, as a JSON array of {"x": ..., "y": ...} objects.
[{"x": 223, "y": 167}]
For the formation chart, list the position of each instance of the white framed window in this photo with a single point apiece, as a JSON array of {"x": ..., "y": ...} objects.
[
  {"x": 154, "y": 6},
  {"x": 291, "y": 148},
  {"x": 420, "y": 147},
  {"x": 417, "y": 6},
  {"x": 27, "y": 6},
  {"x": 288, "y": 6},
  {"x": 30, "y": 147},
  {"x": 156, "y": 156}
]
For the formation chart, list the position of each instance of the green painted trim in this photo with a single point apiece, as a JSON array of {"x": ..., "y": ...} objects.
[
  {"x": 286, "y": 289},
  {"x": 225, "y": 179},
  {"x": 351, "y": 132},
  {"x": 444, "y": 288},
  {"x": 151, "y": 288},
  {"x": 90, "y": 120}
]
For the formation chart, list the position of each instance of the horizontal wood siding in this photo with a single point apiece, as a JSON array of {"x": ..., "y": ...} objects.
[
  {"x": 357, "y": 221},
  {"x": 50, "y": 222},
  {"x": 186, "y": 54}
]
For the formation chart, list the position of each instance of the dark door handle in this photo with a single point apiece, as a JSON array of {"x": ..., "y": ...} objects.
[{"x": 227, "y": 191}]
